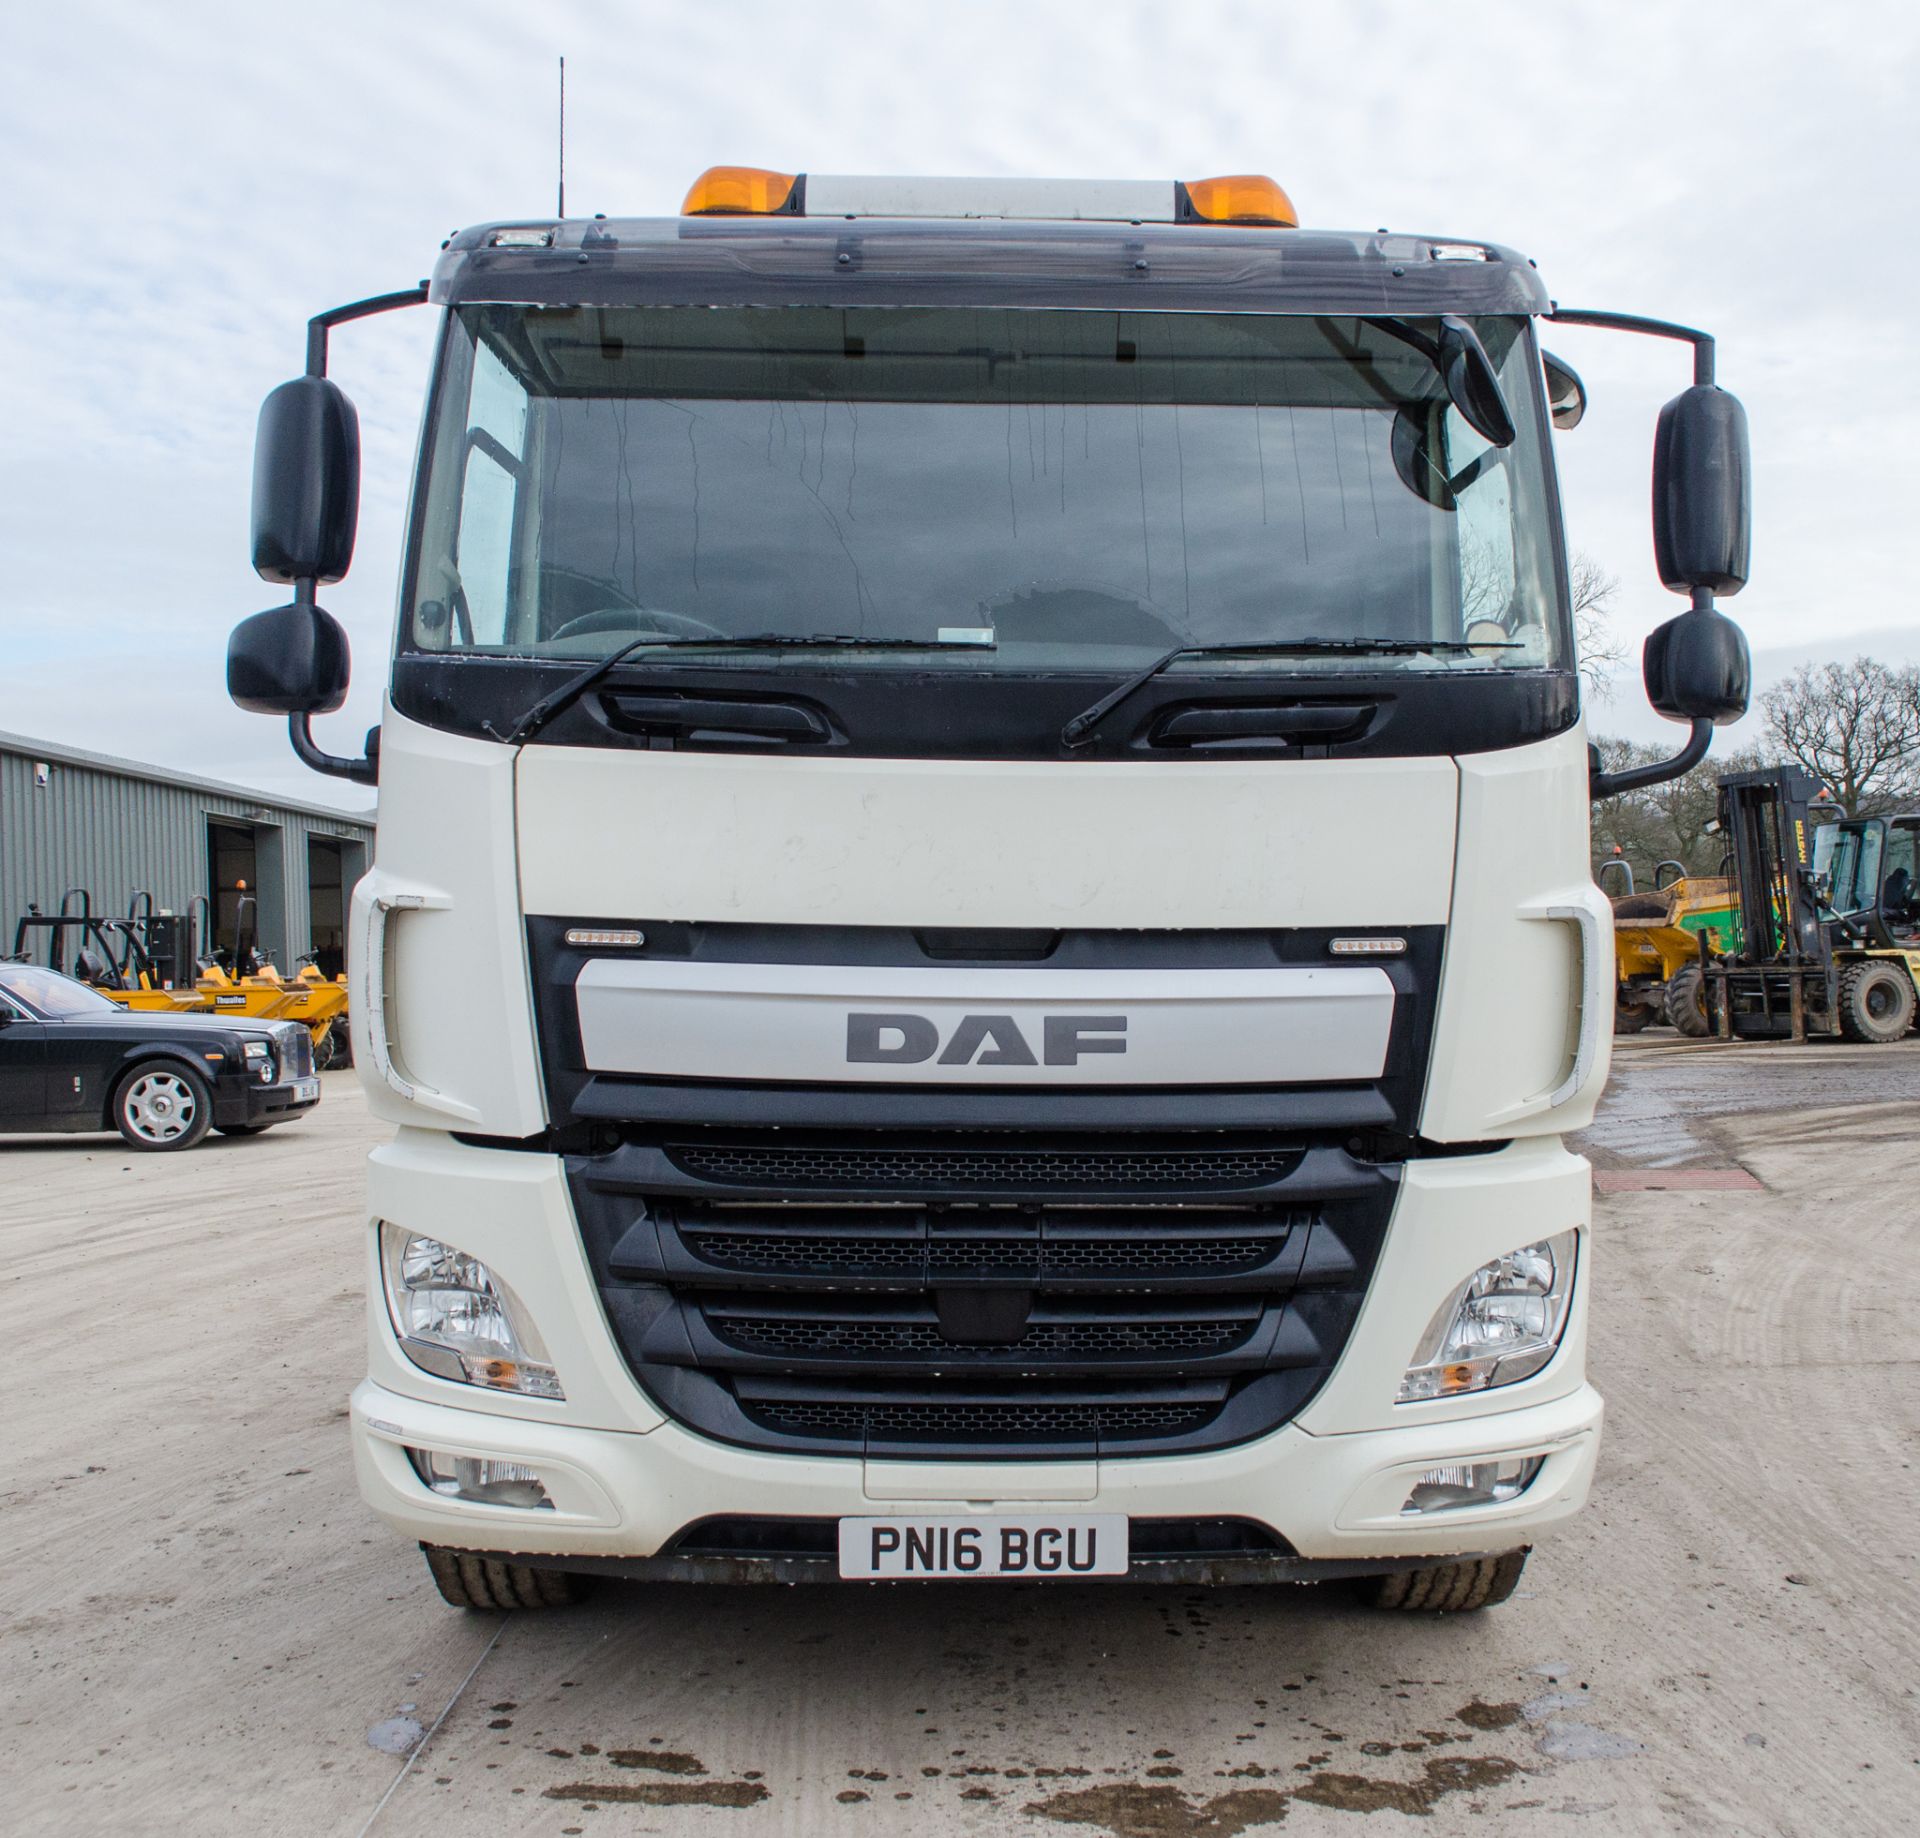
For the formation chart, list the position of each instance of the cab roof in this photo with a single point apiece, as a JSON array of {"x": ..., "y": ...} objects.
[{"x": 876, "y": 261}]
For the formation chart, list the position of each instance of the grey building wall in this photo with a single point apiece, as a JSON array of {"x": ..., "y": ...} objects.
[{"x": 75, "y": 819}]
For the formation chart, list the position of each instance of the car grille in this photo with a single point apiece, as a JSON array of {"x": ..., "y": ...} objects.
[
  {"x": 296, "y": 1053},
  {"x": 923, "y": 1298}
]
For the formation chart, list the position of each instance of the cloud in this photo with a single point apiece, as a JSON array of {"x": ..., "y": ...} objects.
[{"x": 184, "y": 188}]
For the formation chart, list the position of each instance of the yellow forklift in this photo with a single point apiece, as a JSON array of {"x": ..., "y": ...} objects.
[{"x": 1827, "y": 940}]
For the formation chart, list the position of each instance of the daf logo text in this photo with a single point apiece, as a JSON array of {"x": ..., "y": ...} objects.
[{"x": 980, "y": 1040}]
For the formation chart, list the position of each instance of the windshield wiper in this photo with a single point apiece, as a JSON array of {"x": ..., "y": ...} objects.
[
  {"x": 577, "y": 685},
  {"x": 1088, "y": 719}
]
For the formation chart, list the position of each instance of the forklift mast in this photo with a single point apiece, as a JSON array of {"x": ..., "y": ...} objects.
[{"x": 1783, "y": 974}]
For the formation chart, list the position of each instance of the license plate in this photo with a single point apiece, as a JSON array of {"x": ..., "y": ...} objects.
[
  {"x": 1050, "y": 1547},
  {"x": 305, "y": 1090}
]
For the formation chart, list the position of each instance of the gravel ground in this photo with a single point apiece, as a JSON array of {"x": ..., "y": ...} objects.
[{"x": 201, "y": 1631}]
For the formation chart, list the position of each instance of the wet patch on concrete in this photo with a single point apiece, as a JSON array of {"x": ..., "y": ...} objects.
[
  {"x": 1444, "y": 1775},
  {"x": 1131, "y": 1810},
  {"x": 1477, "y": 1714},
  {"x": 661, "y": 1761},
  {"x": 661, "y": 1793},
  {"x": 1135, "y": 1810}
]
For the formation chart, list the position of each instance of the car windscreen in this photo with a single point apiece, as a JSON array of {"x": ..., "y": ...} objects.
[
  {"x": 1012, "y": 489},
  {"x": 54, "y": 997}
]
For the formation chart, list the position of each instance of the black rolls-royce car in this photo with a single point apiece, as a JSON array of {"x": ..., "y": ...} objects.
[{"x": 72, "y": 1060}]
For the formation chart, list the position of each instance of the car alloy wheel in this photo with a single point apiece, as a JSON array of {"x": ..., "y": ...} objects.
[{"x": 160, "y": 1107}]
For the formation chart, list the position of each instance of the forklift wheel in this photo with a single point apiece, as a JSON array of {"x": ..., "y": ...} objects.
[
  {"x": 1876, "y": 1000},
  {"x": 1686, "y": 1002}
]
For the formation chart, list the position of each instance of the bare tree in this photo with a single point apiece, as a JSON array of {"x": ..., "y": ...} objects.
[
  {"x": 1600, "y": 652},
  {"x": 1668, "y": 821},
  {"x": 1855, "y": 727}
]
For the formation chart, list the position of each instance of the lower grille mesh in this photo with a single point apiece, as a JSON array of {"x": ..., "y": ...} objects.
[
  {"x": 935, "y": 1168},
  {"x": 987, "y": 1423}
]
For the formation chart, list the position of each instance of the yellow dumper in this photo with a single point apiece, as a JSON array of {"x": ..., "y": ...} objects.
[{"x": 1656, "y": 951}]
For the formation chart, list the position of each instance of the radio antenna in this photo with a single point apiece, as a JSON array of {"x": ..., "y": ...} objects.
[{"x": 562, "y": 211}]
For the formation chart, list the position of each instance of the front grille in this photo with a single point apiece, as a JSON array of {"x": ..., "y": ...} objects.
[
  {"x": 809, "y": 1337},
  {"x": 296, "y": 1054},
  {"x": 1048, "y": 1321},
  {"x": 1145, "y": 1244},
  {"x": 932, "y": 1167},
  {"x": 996, "y": 1422}
]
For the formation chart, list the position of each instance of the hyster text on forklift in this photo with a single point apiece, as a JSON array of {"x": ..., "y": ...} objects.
[{"x": 982, "y": 941}]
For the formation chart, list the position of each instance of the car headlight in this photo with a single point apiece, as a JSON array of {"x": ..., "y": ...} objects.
[
  {"x": 457, "y": 1320},
  {"x": 1501, "y": 1325},
  {"x": 259, "y": 1060}
]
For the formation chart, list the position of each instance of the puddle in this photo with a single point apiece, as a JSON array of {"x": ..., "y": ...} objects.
[
  {"x": 395, "y": 1736},
  {"x": 1568, "y": 1741}
]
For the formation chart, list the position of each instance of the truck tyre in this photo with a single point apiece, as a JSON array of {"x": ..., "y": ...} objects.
[
  {"x": 1876, "y": 1000},
  {"x": 162, "y": 1104},
  {"x": 1630, "y": 1017},
  {"x": 1449, "y": 1589},
  {"x": 1685, "y": 1002},
  {"x": 467, "y": 1581}
]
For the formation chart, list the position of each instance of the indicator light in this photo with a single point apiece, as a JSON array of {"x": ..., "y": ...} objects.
[
  {"x": 739, "y": 191},
  {"x": 1247, "y": 197}
]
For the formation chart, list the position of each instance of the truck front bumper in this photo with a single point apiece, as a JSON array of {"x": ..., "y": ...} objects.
[{"x": 625, "y": 1482}]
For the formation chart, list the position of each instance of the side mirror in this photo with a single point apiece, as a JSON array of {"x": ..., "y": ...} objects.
[
  {"x": 1702, "y": 492},
  {"x": 1697, "y": 668},
  {"x": 306, "y": 482},
  {"x": 1566, "y": 394},
  {"x": 291, "y": 661},
  {"x": 1472, "y": 383}
]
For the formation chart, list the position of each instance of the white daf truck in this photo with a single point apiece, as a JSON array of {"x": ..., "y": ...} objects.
[{"x": 982, "y": 942}]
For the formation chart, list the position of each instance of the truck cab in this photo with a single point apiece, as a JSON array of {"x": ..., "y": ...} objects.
[{"x": 982, "y": 941}]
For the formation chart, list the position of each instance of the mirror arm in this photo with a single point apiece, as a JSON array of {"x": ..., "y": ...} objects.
[
  {"x": 362, "y": 771},
  {"x": 322, "y": 323},
  {"x": 1702, "y": 342},
  {"x": 1611, "y": 784}
]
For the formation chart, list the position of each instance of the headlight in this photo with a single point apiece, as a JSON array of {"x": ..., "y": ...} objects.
[
  {"x": 259, "y": 1060},
  {"x": 457, "y": 1320},
  {"x": 1501, "y": 1325}
]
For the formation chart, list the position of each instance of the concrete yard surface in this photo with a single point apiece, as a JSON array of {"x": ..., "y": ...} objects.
[{"x": 201, "y": 1631}]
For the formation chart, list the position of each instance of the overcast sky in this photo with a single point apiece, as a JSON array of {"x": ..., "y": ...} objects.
[{"x": 184, "y": 185}]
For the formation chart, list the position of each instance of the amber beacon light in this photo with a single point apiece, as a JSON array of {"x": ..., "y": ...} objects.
[
  {"x": 739, "y": 191},
  {"x": 1241, "y": 198}
]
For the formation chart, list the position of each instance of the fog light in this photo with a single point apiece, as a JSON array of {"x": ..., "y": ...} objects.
[
  {"x": 479, "y": 1478},
  {"x": 1477, "y": 1483}
]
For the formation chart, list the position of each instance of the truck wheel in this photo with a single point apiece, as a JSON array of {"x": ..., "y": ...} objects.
[
  {"x": 326, "y": 1055},
  {"x": 163, "y": 1105},
  {"x": 1685, "y": 1001},
  {"x": 1876, "y": 1000},
  {"x": 467, "y": 1581},
  {"x": 1449, "y": 1589},
  {"x": 1630, "y": 1017}
]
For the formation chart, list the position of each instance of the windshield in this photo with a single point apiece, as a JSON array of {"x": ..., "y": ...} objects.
[
  {"x": 51, "y": 995},
  {"x": 1846, "y": 866},
  {"x": 1014, "y": 490}
]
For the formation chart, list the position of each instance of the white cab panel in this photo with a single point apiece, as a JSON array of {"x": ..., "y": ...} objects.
[
  {"x": 442, "y": 1013},
  {"x": 1524, "y": 1034},
  {"x": 608, "y": 834},
  {"x": 832, "y": 1023}
]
